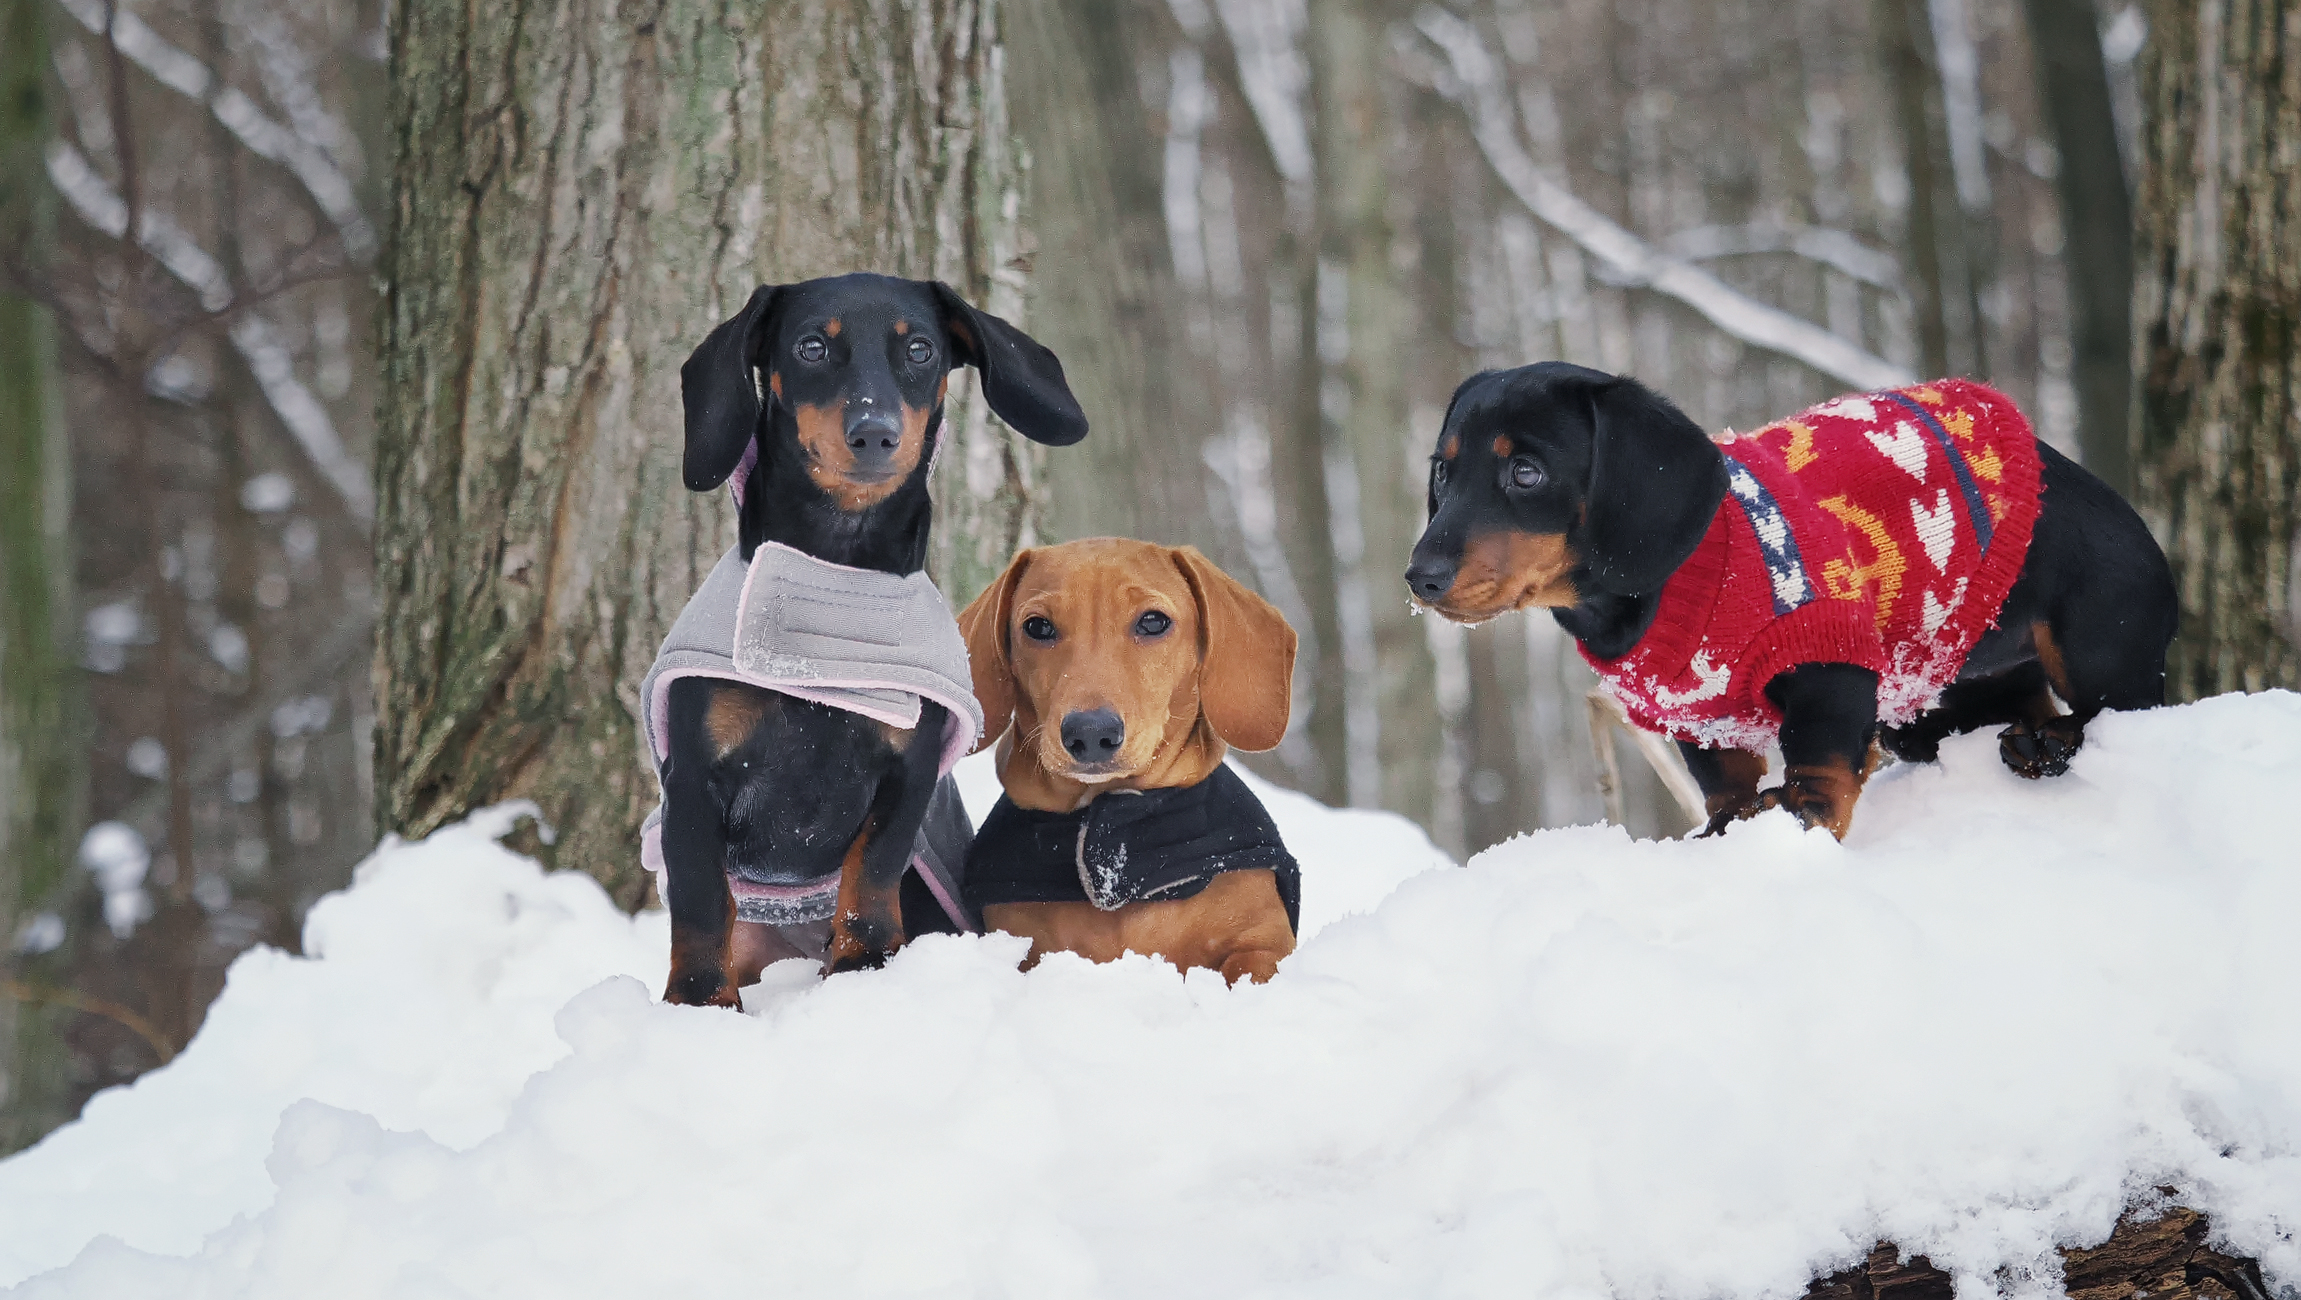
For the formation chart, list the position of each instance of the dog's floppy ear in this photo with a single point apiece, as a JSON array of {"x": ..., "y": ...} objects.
[
  {"x": 722, "y": 399},
  {"x": 1655, "y": 482},
  {"x": 1246, "y": 662},
  {"x": 1022, "y": 380},
  {"x": 984, "y": 625}
]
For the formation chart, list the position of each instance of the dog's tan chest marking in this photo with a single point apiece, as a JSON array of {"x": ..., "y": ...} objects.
[{"x": 733, "y": 714}]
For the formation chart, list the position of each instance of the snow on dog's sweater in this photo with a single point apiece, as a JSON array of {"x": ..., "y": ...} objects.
[
  {"x": 1881, "y": 530},
  {"x": 868, "y": 642}
]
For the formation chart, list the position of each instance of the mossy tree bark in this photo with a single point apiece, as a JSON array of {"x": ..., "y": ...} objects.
[
  {"x": 43, "y": 760},
  {"x": 579, "y": 192},
  {"x": 2217, "y": 306}
]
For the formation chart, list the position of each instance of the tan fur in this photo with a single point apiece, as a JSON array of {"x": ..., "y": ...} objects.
[
  {"x": 1219, "y": 677},
  {"x": 1504, "y": 571},
  {"x": 831, "y": 462},
  {"x": 1741, "y": 771},
  {"x": 863, "y": 911},
  {"x": 1236, "y": 921},
  {"x": 732, "y": 715},
  {"x": 2049, "y": 657}
]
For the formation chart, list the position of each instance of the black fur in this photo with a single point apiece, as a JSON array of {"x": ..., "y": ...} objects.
[
  {"x": 1632, "y": 485},
  {"x": 808, "y": 781}
]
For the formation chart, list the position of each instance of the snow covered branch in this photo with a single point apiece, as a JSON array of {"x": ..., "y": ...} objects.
[
  {"x": 1476, "y": 86},
  {"x": 95, "y": 202},
  {"x": 265, "y": 136},
  {"x": 1836, "y": 249}
]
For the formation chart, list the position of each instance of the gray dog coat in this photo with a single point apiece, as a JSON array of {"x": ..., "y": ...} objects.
[{"x": 856, "y": 639}]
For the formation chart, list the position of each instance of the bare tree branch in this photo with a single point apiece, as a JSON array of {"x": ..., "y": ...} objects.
[
  {"x": 260, "y": 132},
  {"x": 93, "y": 200},
  {"x": 1629, "y": 259},
  {"x": 1836, "y": 249}
]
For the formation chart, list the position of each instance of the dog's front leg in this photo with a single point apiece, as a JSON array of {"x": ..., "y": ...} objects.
[
  {"x": 1829, "y": 718},
  {"x": 695, "y": 864},
  {"x": 1728, "y": 779},
  {"x": 868, "y": 927}
]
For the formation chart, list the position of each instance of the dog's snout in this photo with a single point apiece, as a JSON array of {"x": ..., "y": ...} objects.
[
  {"x": 872, "y": 433},
  {"x": 1430, "y": 576},
  {"x": 1093, "y": 735}
]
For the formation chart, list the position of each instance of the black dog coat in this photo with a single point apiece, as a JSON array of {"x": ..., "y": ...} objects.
[{"x": 1130, "y": 846}]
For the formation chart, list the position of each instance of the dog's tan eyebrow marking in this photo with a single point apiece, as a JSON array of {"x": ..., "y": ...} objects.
[
  {"x": 831, "y": 328},
  {"x": 1502, "y": 444},
  {"x": 1451, "y": 448},
  {"x": 902, "y": 327}
]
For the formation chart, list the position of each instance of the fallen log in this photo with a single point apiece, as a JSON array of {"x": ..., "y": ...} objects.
[{"x": 2162, "y": 1256}]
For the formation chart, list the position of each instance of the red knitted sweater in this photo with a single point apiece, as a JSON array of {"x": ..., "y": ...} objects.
[{"x": 1881, "y": 530}]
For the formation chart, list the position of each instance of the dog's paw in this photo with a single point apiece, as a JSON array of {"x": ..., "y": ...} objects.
[
  {"x": 1725, "y": 811},
  {"x": 2040, "y": 750},
  {"x": 860, "y": 960},
  {"x": 1910, "y": 744},
  {"x": 707, "y": 988},
  {"x": 860, "y": 946},
  {"x": 1815, "y": 802}
]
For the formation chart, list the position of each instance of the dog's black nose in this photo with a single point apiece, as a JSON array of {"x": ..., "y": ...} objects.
[
  {"x": 873, "y": 437},
  {"x": 1430, "y": 577},
  {"x": 1093, "y": 735}
]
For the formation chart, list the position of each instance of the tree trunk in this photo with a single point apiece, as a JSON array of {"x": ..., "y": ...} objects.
[
  {"x": 579, "y": 193},
  {"x": 2218, "y": 312},
  {"x": 43, "y": 762},
  {"x": 1097, "y": 222},
  {"x": 2097, "y": 229},
  {"x": 1363, "y": 339},
  {"x": 1949, "y": 323}
]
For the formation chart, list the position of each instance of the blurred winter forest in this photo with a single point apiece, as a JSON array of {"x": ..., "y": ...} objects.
[{"x": 1267, "y": 238}]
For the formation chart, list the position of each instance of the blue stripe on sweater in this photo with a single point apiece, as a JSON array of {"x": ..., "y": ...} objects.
[
  {"x": 1785, "y": 570},
  {"x": 1976, "y": 512}
]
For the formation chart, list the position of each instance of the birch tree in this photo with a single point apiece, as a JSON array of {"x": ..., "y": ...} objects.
[
  {"x": 579, "y": 193},
  {"x": 2217, "y": 311}
]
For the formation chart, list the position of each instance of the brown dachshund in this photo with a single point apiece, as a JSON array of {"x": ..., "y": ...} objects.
[{"x": 1110, "y": 668}]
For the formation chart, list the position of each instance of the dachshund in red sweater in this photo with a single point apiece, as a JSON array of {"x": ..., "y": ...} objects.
[{"x": 1895, "y": 567}]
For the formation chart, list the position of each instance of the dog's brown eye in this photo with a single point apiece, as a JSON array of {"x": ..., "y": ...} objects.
[
  {"x": 1038, "y": 627},
  {"x": 811, "y": 349},
  {"x": 1437, "y": 475},
  {"x": 1526, "y": 472},
  {"x": 920, "y": 351},
  {"x": 1153, "y": 623}
]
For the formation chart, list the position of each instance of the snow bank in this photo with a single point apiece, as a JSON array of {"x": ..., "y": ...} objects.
[{"x": 1583, "y": 1066}]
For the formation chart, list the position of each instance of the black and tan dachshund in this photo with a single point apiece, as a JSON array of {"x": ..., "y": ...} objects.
[
  {"x": 828, "y": 395},
  {"x": 1562, "y": 487}
]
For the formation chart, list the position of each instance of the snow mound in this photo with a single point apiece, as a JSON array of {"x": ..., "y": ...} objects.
[{"x": 1583, "y": 1066}]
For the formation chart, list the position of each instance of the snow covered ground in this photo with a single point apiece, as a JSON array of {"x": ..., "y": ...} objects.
[{"x": 1584, "y": 1066}]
